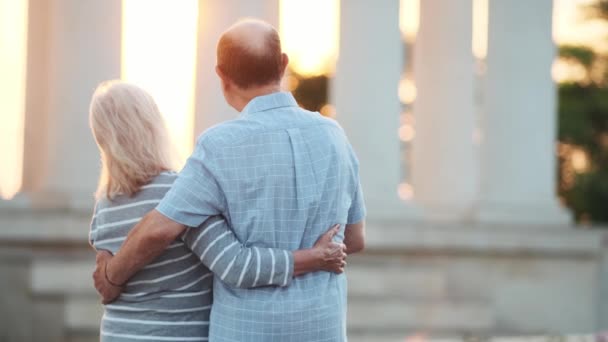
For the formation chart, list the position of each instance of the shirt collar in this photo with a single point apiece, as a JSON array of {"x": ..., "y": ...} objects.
[{"x": 270, "y": 101}]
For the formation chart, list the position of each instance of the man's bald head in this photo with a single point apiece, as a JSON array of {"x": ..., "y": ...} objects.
[{"x": 249, "y": 54}]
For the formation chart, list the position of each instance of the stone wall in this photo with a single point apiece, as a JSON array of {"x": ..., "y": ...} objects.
[{"x": 414, "y": 280}]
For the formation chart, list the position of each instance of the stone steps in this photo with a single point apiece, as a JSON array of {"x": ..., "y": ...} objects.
[
  {"x": 382, "y": 319},
  {"x": 386, "y": 280},
  {"x": 387, "y": 301},
  {"x": 391, "y": 298},
  {"x": 70, "y": 282},
  {"x": 82, "y": 315},
  {"x": 376, "y": 338},
  {"x": 402, "y": 317},
  {"x": 61, "y": 277}
]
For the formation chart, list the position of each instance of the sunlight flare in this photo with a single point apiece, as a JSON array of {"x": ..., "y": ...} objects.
[
  {"x": 13, "y": 64},
  {"x": 407, "y": 90},
  {"x": 159, "y": 54},
  {"x": 310, "y": 35},
  {"x": 480, "y": 28},
  {"x": 571, "y": 25},
  {"x": 405, "y": 191},
  {"x": 409, "y": 19}
]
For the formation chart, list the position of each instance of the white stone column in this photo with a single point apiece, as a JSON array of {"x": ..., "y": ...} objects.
[
  {"x": 74, "y": 45},
  {"x": 444, "y": 167},
  {"x": 364, "y": 91},
  {"x": 518, "y": 163},
  {"x": 215, "y": 16}
]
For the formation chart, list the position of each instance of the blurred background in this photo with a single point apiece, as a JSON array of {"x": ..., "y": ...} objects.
[{"x": 481, "y": 127}]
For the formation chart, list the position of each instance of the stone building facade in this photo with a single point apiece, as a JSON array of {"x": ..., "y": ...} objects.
[{"x": 482, "y": 248}]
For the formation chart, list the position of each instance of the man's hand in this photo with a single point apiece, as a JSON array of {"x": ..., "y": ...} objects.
[
  {"x": 331, "y": 256},
  {"x": 107, "y": 290}
]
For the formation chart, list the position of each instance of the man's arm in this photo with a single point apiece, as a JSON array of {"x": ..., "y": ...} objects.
[
  {"x": 354, "y": 233},
  {"x": 194, "y": 197},
  {"x": 146, "y": 241},
  {"x": 245, "y": 267},
  {"x": 354, "y": 237},
  {"x": 219, "y": 249}
]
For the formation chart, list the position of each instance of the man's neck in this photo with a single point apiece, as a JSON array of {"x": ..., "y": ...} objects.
[{"x": 245, "y": 96}]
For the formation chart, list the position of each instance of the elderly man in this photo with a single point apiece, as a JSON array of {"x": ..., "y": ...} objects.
[{"x": 280, "y": 175}]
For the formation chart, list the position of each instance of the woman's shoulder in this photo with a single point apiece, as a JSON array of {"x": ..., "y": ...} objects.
[
  {"x": 155, "y": 189},
  {"x": 102, "y": 203},
  {"x": 165, "y": 177}
]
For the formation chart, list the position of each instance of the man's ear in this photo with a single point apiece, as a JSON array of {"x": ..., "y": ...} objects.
[
  {"x": 224, "y": 80},
  {"x": 284, "y": 62}
]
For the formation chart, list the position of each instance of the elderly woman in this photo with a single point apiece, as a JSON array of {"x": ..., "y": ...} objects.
[{"x": 170, "y": 299}]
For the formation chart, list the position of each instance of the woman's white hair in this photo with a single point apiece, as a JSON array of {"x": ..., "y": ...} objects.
[{"x": 132, "y": 138}]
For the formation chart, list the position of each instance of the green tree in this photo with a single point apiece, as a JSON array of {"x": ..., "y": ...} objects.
[{"x": 583, "y": 129}]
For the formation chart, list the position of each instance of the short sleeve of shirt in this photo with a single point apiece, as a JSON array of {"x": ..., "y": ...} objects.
[
  {"x": 357, "y": 211},
  {"x": 195, "y": 195}
]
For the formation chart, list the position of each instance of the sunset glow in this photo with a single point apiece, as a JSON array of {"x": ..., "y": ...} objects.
[
  {"x": 405, "y": 191},
  {"x": 13, "y": 61},
  {"x": 407, "y": 90},
  {"x": 310, "y": 35},
  {"x": 480, "y": 28},
  {"x": 159, "y": 54},
  {"x": 572, "y": 26},
  {"x": 409, "y": 18}
]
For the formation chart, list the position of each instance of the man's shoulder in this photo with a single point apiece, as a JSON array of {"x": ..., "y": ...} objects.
[
  {"x": 225, "y": 133},
  {"x": 233, "y": 132},
  {"x": 330, "y": 122},
  {"x": 317, "y": 119}
]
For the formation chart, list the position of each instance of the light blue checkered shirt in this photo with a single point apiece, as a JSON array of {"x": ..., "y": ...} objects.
[{"x": 281, "y": 176}]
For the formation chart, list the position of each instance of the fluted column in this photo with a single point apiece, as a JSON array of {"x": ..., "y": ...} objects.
[
  {"x": 444, "y": 169},
  {"x": 364, "y": 91},
  {"x": 518, "y": 162},
  {"x": 73, "y": 45}
]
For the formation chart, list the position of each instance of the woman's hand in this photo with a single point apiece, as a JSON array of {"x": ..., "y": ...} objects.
[
  {"x": 325, "y": 255},
  {"x": 331, "y": 255}
]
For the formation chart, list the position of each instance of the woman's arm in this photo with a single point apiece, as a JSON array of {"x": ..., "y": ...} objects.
[
  {"x": 246, "y": 267},
  {"x": 325, "y": 255}
]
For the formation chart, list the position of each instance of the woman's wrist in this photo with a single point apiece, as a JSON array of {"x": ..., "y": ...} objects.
[{"x": 306, "y": 260}]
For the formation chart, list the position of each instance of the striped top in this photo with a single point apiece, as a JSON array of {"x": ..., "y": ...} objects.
[{"x": 170, "y": 299}]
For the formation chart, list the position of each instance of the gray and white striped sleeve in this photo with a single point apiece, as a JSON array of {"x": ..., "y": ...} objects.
[
  {"x": 93, "y": 226},
  {"x": 219, "y": 249}
]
